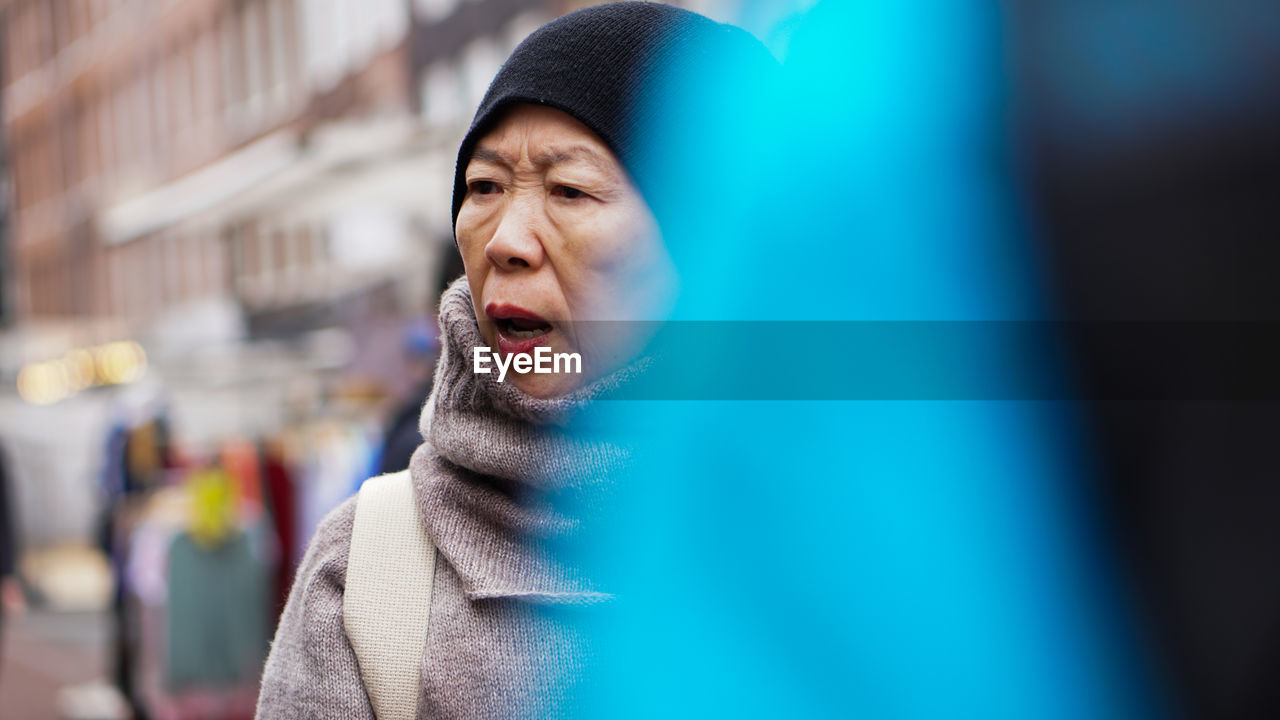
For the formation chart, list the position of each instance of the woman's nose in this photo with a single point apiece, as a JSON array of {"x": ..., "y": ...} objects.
[{"x": 516, "y": 244}]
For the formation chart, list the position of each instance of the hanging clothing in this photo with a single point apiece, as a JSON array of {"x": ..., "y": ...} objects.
[
  {"x": 281, "y": 501},
  {"x": 217, "y": 612},
  {"x": 338, "y": 460}
]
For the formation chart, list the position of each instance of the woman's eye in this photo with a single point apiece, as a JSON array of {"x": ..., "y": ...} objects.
[
  {"x": 483, "y": 187},
  {"x": 569, "y": 193}
]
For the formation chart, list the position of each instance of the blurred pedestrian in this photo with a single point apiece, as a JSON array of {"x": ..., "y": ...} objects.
[
  {"x": 10, "y": 592},
  {"x": 421, "y": 346}
]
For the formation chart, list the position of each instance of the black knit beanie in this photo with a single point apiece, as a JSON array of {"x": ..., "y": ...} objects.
[{"x": 597, "y": 64}]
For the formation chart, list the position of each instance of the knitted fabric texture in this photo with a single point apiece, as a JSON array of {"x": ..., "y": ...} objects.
[
  {"x": 484, "y": 483},
  {"x": 494, "y": 459},
  {"x": 598, "y": 64}
]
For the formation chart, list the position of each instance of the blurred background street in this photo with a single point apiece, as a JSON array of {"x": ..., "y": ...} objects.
[{"x": 46, "y": 651}]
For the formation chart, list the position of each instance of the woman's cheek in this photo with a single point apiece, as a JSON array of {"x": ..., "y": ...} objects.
[
  {"x": 470, "y": 227},
  {"x": 611, "y": 250}
]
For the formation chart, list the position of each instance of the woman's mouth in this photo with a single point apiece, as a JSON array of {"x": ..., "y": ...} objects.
[{"x": 519, "y": 330}]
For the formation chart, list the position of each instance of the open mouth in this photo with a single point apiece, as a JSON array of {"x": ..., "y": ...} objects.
[
  {"x": 519, "y": 330},
  {"x": 521, "y": 327}
]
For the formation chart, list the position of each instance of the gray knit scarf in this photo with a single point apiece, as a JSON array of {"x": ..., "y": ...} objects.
[{"x": 498, "y": 465}]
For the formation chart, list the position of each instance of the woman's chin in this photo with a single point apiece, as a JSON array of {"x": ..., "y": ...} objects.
[{"x": 544, "y": 386}]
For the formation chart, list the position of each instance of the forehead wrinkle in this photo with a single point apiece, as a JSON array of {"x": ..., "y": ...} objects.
[
  {"x": 493, "y": 157},
  {"x": 547, "y": 158},
  {"x": 570, "y": 153}
]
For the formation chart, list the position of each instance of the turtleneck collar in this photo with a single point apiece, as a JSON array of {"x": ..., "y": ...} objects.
[{"x": 493, "y": 461}]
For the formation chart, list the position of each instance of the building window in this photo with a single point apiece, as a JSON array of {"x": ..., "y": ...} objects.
[
  {"x": 480, "y": 62},
  {"x": 141, "y": 111},
  {"x": 324, "y": 43},
  {"x": 278, "y": 48},
  {"x": 44, "y": 34},
  {"x": 442, "y": 94},
  {"x": 156, "y": 273},
  {"x": 182, "y": 87},
  {"x": 254, "y": 68},
  {"x": 11, "y": 48},
  {"x": 124, "y": 153},
  {"x": 162, "y": 108},
  {"x": 214, "y": 263},
  {"x": 104, "y": 133},
  {"x": 232, "y": 81},
  {"x": 62, "y": 28},
  {"x": 394, "y": 22},
  {"x": 87, "y": 133},
  {"x": 205, "y": 79},
  {"x": 172, "y": 277},
  {"x": 434, "y": 10}
]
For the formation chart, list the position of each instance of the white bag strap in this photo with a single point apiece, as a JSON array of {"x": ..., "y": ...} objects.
[{"x": 387, "y": 600}]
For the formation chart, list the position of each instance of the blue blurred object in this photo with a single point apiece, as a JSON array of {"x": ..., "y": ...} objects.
[
  {"x": 881, "y": 559},
  {"x": 421, "y": 338}
]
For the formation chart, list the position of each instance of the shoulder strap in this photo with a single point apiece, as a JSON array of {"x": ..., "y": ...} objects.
[{"x": 387, "y": 599}]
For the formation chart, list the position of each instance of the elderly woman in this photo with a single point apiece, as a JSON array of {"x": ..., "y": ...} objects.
[{"x": 553, "y": 232}]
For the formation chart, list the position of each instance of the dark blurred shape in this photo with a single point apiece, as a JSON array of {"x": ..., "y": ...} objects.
[
  {"x": 402, "y": 436},
  {"x": 137, "y": 453},
  {"x": 1155, "y": 160},
  {"x": 421, "y": 346},
  {"x": 281, "y": 504},
  {"x": 8, "y": 548}
]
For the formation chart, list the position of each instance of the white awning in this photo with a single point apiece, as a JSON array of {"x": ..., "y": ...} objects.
[
  {"x": 390, "y": 163},
  {"x": 201, "y": 190}
]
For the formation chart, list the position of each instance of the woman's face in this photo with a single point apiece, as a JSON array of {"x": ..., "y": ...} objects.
[{"x": 555, "y": 237}]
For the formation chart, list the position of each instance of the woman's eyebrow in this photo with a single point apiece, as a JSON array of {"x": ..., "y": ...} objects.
[
  {"x": 570, "y": 153},
  {"x": 545, "y": 159},
  {"x": 492, "y": 157}
]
